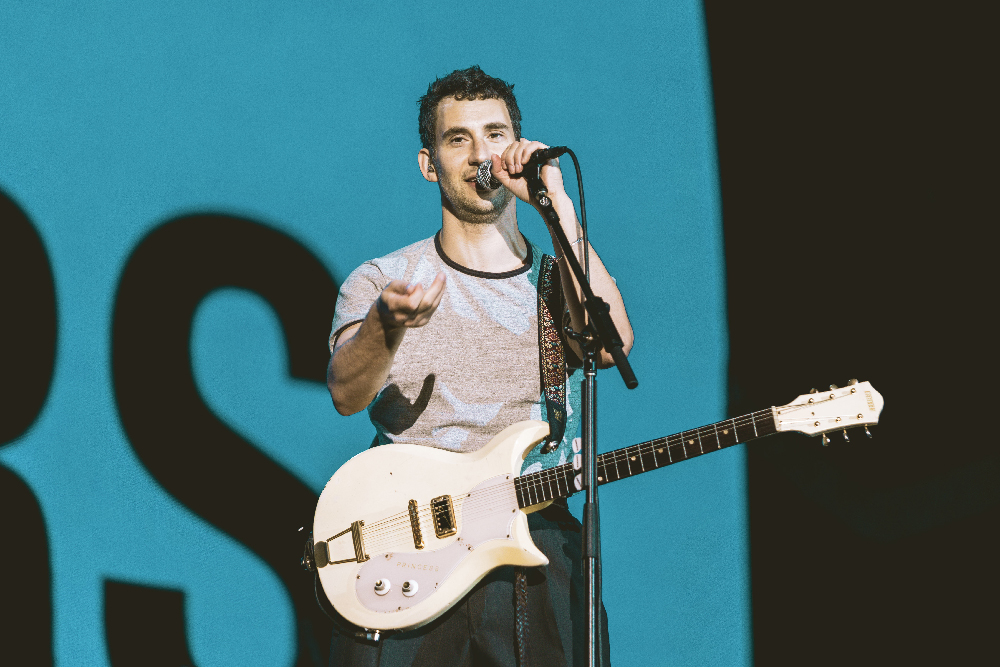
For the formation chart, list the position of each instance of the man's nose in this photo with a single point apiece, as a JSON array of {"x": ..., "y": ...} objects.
[{"x": 480, "y": 152}]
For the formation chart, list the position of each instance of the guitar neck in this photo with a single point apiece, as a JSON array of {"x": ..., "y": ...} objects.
[{"x": 611, "y": 466}]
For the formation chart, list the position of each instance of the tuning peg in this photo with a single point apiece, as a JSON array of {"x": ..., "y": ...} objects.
[
  {"x": 867, "y": 432},
  {"x": 846, "y": 439},
  {"x": 813, "y": 391},
  {"x": 826, "y": 440},
  {"x": 853, "y": 381},
  {"x": 833, "y": 386}
]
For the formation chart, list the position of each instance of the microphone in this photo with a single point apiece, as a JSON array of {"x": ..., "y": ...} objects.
[{"x": 487, "y": 181}]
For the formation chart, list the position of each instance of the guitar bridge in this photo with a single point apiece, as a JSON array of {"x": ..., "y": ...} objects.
[
  {"x": 418, "y": 536},
  {"x": 443, "y": 512},
  {"x": 322, "y": 547}
]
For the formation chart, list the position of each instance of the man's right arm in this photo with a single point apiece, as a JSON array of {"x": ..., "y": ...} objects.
[{"x": 363, "y": 355}]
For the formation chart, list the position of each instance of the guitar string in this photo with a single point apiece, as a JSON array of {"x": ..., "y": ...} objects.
[
  {"x": 472, "y": 508},
  {"x": 547, "y": 484},
  {"x": 543, "y": 482},
  {"x": 539, "y": 486},
  {"x": 624, "y": 455},
  {"x": 403, "y": 524},
  {"x": 469, "y": 510},
  {"x": 423, "y": 511}
]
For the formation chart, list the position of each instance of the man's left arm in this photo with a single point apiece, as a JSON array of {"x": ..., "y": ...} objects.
[
  {"x": 601, "y": 282},
  {"x": 509, "y": 165}
]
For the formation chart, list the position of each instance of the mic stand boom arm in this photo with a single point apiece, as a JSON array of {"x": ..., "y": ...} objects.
[{"x": 599, "y": 332}]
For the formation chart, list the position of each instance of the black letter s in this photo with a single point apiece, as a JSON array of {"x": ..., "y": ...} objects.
[{"x": 197, "y": 458}]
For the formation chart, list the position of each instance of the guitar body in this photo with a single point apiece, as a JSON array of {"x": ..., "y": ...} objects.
[{"x": 465, "y": 519}]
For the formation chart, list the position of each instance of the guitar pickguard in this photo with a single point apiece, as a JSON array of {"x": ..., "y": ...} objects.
[{"x": 486, "y": 514}]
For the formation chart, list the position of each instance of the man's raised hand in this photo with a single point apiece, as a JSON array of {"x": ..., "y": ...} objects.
[{"x": 402, "y": 305}]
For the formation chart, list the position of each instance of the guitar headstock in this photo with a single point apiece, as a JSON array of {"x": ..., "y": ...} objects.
[{"x": 857, "y": 404}]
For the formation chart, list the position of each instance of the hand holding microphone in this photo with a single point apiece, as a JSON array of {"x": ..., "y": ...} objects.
[{"x": 517, "y": 157}]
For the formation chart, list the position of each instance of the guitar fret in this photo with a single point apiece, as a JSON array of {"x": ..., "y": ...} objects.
[
  {"x": 618, "y": 470},
  {"x": 745, "y": 432},
  {"x": 647, "y": 456},
  {"x": 767, "y": 423},
  {"x": 754, "y": 421},
  {"x": 718, "y": 443},
  {"x": 678, "y": 451},
  {"x": 736, "y": 438}
]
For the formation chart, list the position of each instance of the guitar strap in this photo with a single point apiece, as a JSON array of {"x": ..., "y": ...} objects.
[{"x": 552, "y": 354}]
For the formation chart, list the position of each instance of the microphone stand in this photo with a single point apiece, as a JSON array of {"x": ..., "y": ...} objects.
[{"x": 600, "y": 332}]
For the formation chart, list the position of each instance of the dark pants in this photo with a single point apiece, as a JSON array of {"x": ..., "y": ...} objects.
[{"x": 479, "y": 630}]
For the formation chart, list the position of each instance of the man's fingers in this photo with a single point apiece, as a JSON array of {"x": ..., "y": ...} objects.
[
  {"x": 410, "y": 304},
  {"x": 437, "y": 287},
  {"x": 432, "y": 296}
]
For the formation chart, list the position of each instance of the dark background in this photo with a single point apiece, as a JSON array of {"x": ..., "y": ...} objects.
[{"x": 853, "y": 158}]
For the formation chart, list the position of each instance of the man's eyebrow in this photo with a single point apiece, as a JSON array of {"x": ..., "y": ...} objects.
[{"x": 452, "y": 131}]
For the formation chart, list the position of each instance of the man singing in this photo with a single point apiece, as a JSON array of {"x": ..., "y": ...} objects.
[{"x": 441, "y": 341}]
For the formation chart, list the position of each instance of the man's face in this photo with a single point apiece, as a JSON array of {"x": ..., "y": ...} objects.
[{"x": 468, "y": 132}]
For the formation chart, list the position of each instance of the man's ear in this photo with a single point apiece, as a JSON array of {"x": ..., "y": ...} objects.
[{"x": 427, "y": 165}]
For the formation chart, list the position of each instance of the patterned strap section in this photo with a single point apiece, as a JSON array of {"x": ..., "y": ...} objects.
[
  {"x": 552, "y": 355},
  {"x": 521, "y": 617}
]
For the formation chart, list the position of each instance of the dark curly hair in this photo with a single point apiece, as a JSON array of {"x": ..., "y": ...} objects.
[{"x": 464, "y": 84}]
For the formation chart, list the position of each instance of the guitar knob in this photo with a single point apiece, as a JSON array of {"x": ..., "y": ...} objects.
[
  {"x": 846, "y": 439},
  {"x": 410, "y": 588},
  {"x": 826, "y": 440},
  {"x": 382, "y": 586}
]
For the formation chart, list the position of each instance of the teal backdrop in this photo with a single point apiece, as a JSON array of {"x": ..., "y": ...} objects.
[{"x": 201, "y": 176}]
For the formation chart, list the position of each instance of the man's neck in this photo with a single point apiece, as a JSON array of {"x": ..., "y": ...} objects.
[{"x": 495, "y": 247}]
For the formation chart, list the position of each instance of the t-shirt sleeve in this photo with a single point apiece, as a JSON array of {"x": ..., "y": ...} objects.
[{"x": 356, "y": 297}]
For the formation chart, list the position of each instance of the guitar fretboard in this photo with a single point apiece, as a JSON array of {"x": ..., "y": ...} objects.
[{"x": 558, "y": 482}]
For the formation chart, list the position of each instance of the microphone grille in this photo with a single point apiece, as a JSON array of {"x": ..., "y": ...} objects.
[{"x": 484, "y": 178}]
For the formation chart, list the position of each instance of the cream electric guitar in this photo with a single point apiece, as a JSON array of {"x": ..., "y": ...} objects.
[{"x": 402, "y": 532}]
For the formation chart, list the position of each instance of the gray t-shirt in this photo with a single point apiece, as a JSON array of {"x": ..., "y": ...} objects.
[{"x": 473, "y": 370}]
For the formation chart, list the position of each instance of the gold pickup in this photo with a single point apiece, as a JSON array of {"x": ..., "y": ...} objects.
[{"x": 444, "y": 516}]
